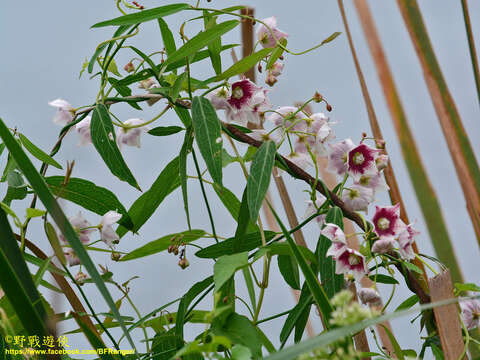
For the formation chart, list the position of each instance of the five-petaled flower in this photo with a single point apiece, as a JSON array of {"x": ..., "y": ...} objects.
[
  {"x": 338, "y": 156},
  {"x": 387, "y": 221},
  {"x": 269, "y": 37},
  {"x": 361, "y": 161},
  {"x": 351, "y": 261},
  {"x": 65, "y": 112},
  {"x": 108, "y": 235},
  {"x": 470, "y": 313},
  {"x": 131, "y": 136}
]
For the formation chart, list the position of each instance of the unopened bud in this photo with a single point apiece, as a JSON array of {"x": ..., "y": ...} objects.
[
  {"x": 277, "y": 68},
  {"x": 81, "y": 277},
  {"x": 329, "y": 107},
  {"x": 380, "y": 144},
  {"x": 116, "y": 256},
  {"x": 270, "y": 80},
  {"x": 317, "y": 97},
  {"x": 129, "y": 67},
  {"x": 381, "y": 162},
  {"x": 225, "y": 300},
  {"x": 183, "y": 263},
  {"x": 259, "y": 67}
]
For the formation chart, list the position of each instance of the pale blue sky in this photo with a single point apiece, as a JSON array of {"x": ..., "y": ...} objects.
[{"x": 45, "y": 43}]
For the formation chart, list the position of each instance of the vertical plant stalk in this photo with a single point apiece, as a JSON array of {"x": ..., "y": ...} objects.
[
  {"x": 426, "y": 195},
  {"x": 447, "y": 317},
  {"x": 471, "y": 46},
  {"x": 247, "y": 49},
  {"x": 390, "y": 178},
  {"x": 458, "y": 143}
]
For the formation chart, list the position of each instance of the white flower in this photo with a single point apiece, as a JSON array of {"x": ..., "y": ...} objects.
[
  {"x": 83, "y": 129},
  {"x": 470, "y": 313},
  {"x": 383, "y": 246},
  {"x": 265, "y": 36},
  {"x": 303, "y": 161},
  {"x": 357, "y": 197},
  {"x": 264, "y": 135},
  {"x": 312, "y": 209},
  {"x": 71, "y": 257},
  {"x": 406, "y": 239},
  {"x": 375, "y": 181},
  {"x": 335, "y": 234},
  {"x": 107, "y": 233},
  {"x": 81, "y": 227},
  {"x": 131, "y": 137},
  {"x": 65, "y": 112},
  {"x": 351, "y": 261},
  {"x": 338, "y": 156}
]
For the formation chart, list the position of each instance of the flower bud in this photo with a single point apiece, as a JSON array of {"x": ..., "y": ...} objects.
[
  {"x": 317, "y": 97},
  {"x": 81, "y": 277},
  {"x": 380, "y": 144},
  {"x": 369, "y": 296},
  {"x": 277, "y": 68},
  {"x": 381, "y": 162},
  {"x": 329, "y": 107},
  {"x": 129, "y": 67},
  {"x": 116, "y": 256},
  {"x": 270, "y": 79},
  {"x": 183, "y": 263},
  {"x": 259, "y": 67}
]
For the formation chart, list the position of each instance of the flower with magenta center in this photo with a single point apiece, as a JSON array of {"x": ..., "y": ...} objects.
[
  {"x": 351, "y": 261},
  {"x": 361, "y": 160},
  {"x": 387, "y": 221},
  {"x": 338, "y": 156}
]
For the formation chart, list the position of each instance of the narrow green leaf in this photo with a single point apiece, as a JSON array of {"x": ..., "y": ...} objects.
[
  {"x": 44, "y": 194},
  {"x": 89, "y": 196},
  {"x": 182, "y": 170},
  {"x": 250, "y": 288},
  {"x": 177, "y": 86},
  {"x": 146, "y": 59},
  {"x": 37, "y": 152},
  {"x": 245, "y": 64},
  {"x": 162, "y": 244},
  {"x": 144, "y": 15},
  {"x": 144, "y": 207},
  {"x": 242, "y": 221},
  {"x": 260, "y": 175},
  {"x": 54, "y": 242},
  {"x": 384, "y": 279},
  {"x": 289, "y": 269},
  {"x": 331, "y": 38},
  {"x": 103, "y": 138},
  {"x": 165, "y": 130},
  {"x": 98, "y": 51},
  {"x": 332, "y": 283},
  {"x": 201, "y": 40},
  {"x": 294, "y": 315},
  {"x": 41, "y": 271},
  {"x": 165, "y": 346},
  {"x": 407, "y": 304},
  {"x": 215, "y": 46},
  {"x": 396, "y": 346},
  {"x": 250, "y": 242},
  {"x": 208, "y": 136},
  {"x": 167, "y": 37},
  {"x": 276, "y": 53},
  {"x": 226, "y": 266}
]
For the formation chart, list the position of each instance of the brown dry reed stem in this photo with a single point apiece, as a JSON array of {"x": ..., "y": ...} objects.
[
  {"x": 461, "y": 151},
  {"x": 471, "y": 46},
  {"x": 390, "y": 178},
  {"x": 426, "y": 195}
]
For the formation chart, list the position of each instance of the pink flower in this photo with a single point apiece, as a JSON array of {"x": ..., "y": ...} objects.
[
  {"x": 65, "y": 112},
  {"x": 129, "y": 67},
  {"x": 361, "y": 160},
  {"x": 244, "y": 103},
  {"x": 369, "y": 296},
  {"x": 270, "y": 80},
  {"x": 276, "y": 69},
  {"x": 283, "y": 116},
  {"x": 387, "y": 221},
  {"x": 83, "y": 129},
  {"x": 317, "y": 133},
  {"x": 470, "y": 310},
  {"x": 357, "y": 197},
  {"x": 81, "y": 227},
  {"x": 146, "y": 84},
  {"x": 335, "y": 234},
  {"x": 264, "y": 135},
  {"x": 71, "y": 257},
  {"x": 351, "y": 261},
  {"x": 303, "y": 161},
  {"x": 107, "y": 233},
  {"x": 376, "y": 182},
  {"x": 312, "y": 209},
  {"x": 131, "y": 137},
  {"x": 381, "y": 162},
  {"x": 383, "y": 246},
  {"x": 265, "y": 36},
  {"x": 338, "y": 156},
  {"x": 405, "y": 242}
]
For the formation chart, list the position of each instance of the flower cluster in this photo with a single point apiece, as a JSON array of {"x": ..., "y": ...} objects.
[
  {"x": 129, "y": 134},
  {"x": 84, "y": 229}
]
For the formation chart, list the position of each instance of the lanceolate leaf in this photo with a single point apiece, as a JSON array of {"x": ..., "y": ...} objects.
[
  {"x": 37, "y": 152},
  {"x": 208, "y": 136},
  {"x": 242, "y": 221},
  {"x": 226, "y": 266},
  {"x": 89, "y": 196},
  {"x": 167, "y": 37},
  {"x": 165, "y": 130},
  {"x": 148, "y": 202},
  {"x": 143, "y": 16},
  {"x": 182, "y": 170},
  {"x": 289, "y": 269},
  {"x": 245, "y": 64},
  {"x": 103, "y": 137},
  {"x": 260, "y": 175},
  {"x": 17, "y": 282},
  {"x": 295, "y": 314},
  {"x": 215, "y": 47},
  {"x": 44, "y": 194},
  {"x": 201, "y": 40},
  {"x": 162, "y": 244}
]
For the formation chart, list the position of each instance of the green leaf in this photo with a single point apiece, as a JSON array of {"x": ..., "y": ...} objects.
[
  {"x": 165, "y": 346},
  {"x": 384, "y": 279},
  {"x": 331, "y": 38},
  {"x": 89, "y": 196},
  {"x": 412, "y": 267},
  {"x": 276, "y": 53},
  {"x": 240, "y": 330},
  {"x": 144, "y": 207},
  {"x": 32, "y": 213},
  {"x": 165, "y": 130},
  {"x": 54, "y": 242},
  {"x": 289, "y": 269},
  {"x": 332, "y": 283},
  {"x": 182, "y": 170},
  {"x": 201, "y": 40},
  {"x": 396, "y": 347},
  {"x": 226, "y": 266},
  {"x": 103, "y": 138},
  {"x": 304, "y": 303},
  {"x": 16, "y": 281},
  {"x": 144, "y": 15},
  {"x": 260, "y": 175},
  {"x": 242, "y": 221},
  {"x": 207, "y": 134},
  {"x": 162, "y": 244},
  {"x": 46, "y": 197},
  {"x": 186, "y": 300},
  {"x": 282, "y": 248},
  {"x": 37, "y": 152},
  {"x": 146, "y": 59},
  {"x": 251, "y": 241},
  {"x": 99, "y": 49},
  {"x": 177, "y": 86},
  {"x": 240, "y": 352},
  {"x": 407, "y": 304},
  {"x": 233, "y": 205},
  {"x": 467, "y": 287},
  {"x": 215, "y": 47},
  {"x": 167, "y": 37},
  {"x": 112, "y": 67},
  {"x": 244, "y": 65}
]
